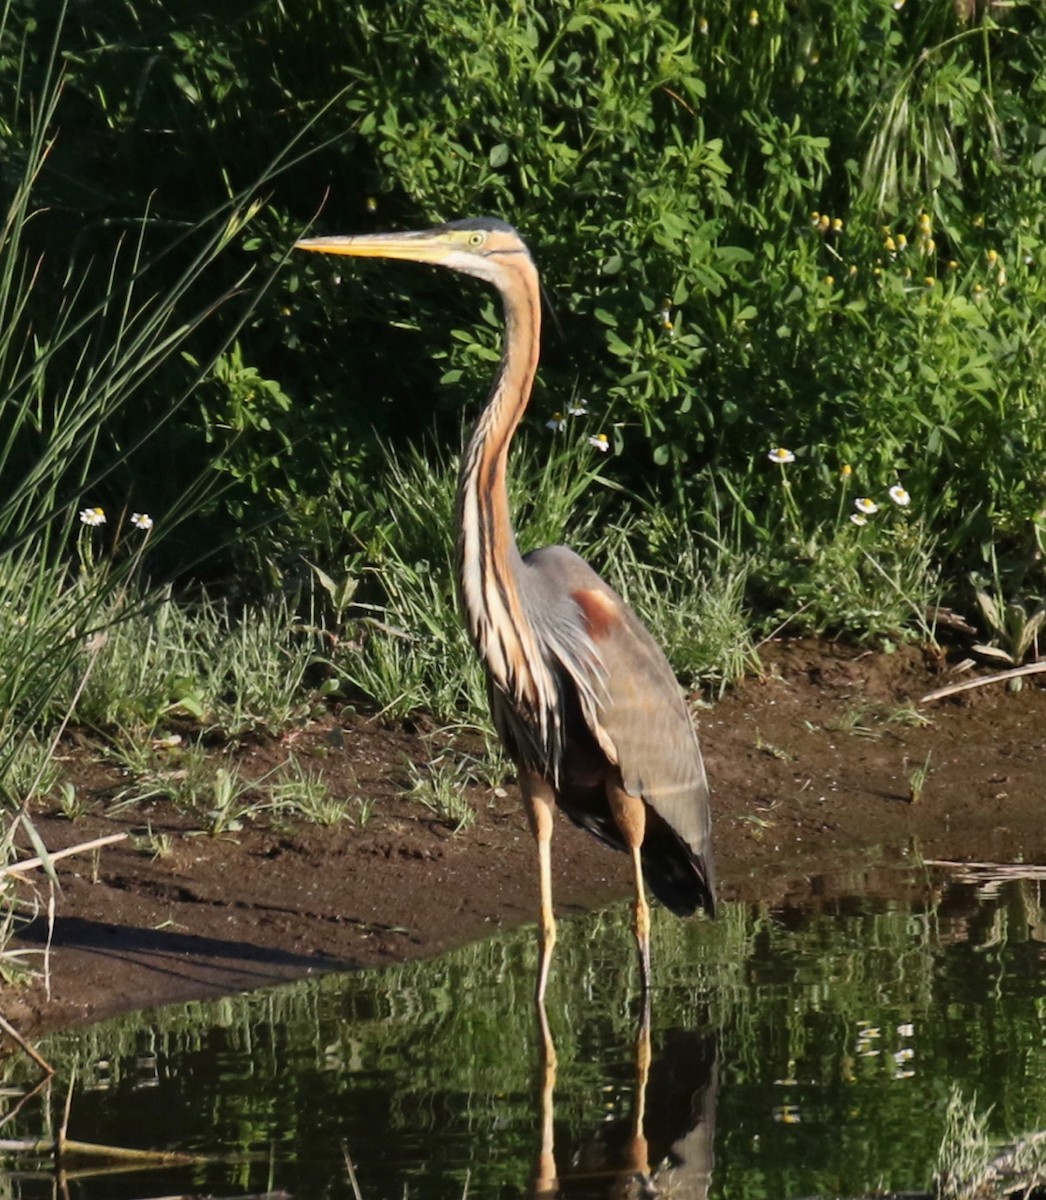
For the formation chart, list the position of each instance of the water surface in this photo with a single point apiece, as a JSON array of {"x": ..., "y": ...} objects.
[{"x": 798, "y": 1051}]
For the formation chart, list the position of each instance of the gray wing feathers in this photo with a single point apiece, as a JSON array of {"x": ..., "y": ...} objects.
[
  {"x": 643, "y": 717},
  {"x": 630, "y": 697}
]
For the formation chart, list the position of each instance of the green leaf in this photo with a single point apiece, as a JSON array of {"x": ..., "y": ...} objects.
[
  {"x": 616, "y": 346},
  {"x": 41, "y": 850}
]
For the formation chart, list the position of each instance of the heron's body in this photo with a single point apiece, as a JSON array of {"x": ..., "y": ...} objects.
[
  {"x": 582, "y": 696},
  {"x": 618, "y": 731}
]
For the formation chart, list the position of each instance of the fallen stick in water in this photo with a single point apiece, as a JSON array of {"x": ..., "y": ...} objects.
[
  {"x": 20, "y": 1041},
  {"x": 67, "y": 1146}
]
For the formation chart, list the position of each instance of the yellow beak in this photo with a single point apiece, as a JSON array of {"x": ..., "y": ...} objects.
[{"x": 414, "y": 247}]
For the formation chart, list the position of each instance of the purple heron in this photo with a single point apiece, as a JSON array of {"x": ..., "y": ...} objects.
[{"x": 581, "y": 695}]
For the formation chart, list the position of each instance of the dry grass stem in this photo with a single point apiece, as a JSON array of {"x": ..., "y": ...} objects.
[
  {"x": 95, "y": 1150},
  {"x": 983, "y": 872},
  {"x": 1001, "y": 677},
  {"x": 351, "y": 1172},
  {"x": 30, "y": 864},
  {"x": 20, "y": 1041}
]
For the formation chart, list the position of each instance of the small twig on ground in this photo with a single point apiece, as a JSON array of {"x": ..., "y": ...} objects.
[
  {"x": 1002, "y": 677},
  {"x": 30, "y": 864}
]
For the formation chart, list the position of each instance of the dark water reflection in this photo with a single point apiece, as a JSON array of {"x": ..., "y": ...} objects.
[{"x": 804, "y": 1051}]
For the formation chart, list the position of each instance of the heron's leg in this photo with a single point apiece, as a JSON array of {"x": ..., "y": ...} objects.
[
  {"x": 540, "y": 801},
  {"x": 638, "y": 1155},
  {"x": 546, "y": 1183},
  {"x": 642, "y": 923},
  {"x": 630, "y": 817}
]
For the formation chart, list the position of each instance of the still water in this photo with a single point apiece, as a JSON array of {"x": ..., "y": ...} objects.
[{"x": 802, "y": 1051}]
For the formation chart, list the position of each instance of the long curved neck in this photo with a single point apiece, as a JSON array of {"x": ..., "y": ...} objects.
[{"x": 488, "y": 560}]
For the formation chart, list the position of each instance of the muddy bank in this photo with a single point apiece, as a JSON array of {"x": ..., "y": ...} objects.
[{"x": 810, "y": 769}]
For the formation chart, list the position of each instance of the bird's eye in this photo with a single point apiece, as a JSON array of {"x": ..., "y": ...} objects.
[{"x": 477, "y": 238}]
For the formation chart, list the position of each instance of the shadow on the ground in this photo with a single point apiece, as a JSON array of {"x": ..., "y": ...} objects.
[{"x": 188, "y": 960}]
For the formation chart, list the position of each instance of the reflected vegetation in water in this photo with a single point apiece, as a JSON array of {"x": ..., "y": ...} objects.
[{"x": 792, "y": 1052}]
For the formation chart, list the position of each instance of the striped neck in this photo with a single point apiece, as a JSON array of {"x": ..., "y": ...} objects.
[{"x": 489, "y": 562}]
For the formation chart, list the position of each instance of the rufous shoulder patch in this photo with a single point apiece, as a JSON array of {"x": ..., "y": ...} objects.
[{"x": 599, "y": 611}]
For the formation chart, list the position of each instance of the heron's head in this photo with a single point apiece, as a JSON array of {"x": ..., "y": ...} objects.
[{"x": 483, "y": 246}]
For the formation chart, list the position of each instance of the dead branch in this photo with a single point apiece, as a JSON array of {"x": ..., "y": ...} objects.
[
  {"x": 95, "y": 1150},
  {"x": 20, "y": 1041},
  {"x": 1002, "y": 677},
  {"x": 30, "y": 864}
]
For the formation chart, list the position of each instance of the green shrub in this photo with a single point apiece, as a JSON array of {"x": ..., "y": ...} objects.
[{"x": 813, "y": 227}]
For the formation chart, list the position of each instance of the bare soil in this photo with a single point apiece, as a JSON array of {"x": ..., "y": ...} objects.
[{"x": 810, "y": 768}]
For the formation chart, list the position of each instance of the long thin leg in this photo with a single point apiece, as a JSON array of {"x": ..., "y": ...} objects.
[
  {"x": 546, "y": 1182},
  {"x": 642, "y": 916},
  {"x": 638, "y": 1156},
  {"x": 630, "y": 815},
  {"x": 540, "y": 800}
]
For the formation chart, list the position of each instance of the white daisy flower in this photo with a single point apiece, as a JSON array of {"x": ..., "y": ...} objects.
[
  {"x": 866, "y": 506},
  {"x": 557, "y": 422},
  {"x": 92, "y": 516},
  {"x": 780, "y": 455},
  {"x": 858, "y": 519},
  {"x": 600, "y": 442},
  {"x": 578, "y": 409},
  {"x": 899, "y": 496},
  {"x": 142, "y": 521}
]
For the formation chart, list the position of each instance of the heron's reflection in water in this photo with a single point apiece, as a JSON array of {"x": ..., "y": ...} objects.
[{"x": 664, "y": 1148}]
